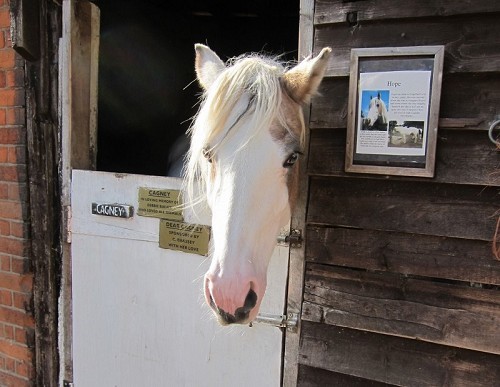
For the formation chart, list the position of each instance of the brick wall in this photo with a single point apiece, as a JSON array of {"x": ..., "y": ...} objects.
[{"x": 16, "y": 321}]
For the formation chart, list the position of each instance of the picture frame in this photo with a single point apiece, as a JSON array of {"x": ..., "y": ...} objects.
[{"x": 393, "y": 113}]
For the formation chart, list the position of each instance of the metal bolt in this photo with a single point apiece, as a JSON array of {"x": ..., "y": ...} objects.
[{"x": 352, "y": 18}]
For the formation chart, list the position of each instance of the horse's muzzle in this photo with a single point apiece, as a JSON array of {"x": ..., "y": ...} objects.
[{"x": 241, "y": 314}]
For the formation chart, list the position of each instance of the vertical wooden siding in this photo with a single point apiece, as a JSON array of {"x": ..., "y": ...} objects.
[{"x": 401, "y": 285}]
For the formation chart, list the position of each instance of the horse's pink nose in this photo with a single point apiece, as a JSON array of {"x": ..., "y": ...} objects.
[{"x": 231, "y": 305}]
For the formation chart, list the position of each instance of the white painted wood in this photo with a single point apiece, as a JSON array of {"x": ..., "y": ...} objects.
[{"x": 139, "y": 318}]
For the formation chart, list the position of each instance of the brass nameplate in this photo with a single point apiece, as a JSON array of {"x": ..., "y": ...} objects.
[
  {"x": 187, "y": 237},
  {"x": 160, "y": 203}
]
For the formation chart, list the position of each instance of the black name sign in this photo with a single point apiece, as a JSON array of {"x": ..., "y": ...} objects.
[{"x": 114, "y": 210}]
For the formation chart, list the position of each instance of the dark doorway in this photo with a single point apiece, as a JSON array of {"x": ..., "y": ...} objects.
[{"x": 147, "y": 92}]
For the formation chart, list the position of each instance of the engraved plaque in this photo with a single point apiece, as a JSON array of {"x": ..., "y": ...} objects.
[
  {"x": 187, "y": 237},
  {"x": 160, "y": 203}
]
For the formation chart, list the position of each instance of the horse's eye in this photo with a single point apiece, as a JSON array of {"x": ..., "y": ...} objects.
[
  {"x": 291, "y": 160},
  {"x": 207, "y": 153}
]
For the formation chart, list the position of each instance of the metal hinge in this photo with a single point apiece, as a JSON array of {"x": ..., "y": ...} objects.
[
  {"x": 292, "y": 238},
  {"x": 289, "y": 321},
  {"x": 67, "y": 223}
]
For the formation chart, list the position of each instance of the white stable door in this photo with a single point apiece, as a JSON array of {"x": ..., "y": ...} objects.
[{"x": 139, "y": 317}]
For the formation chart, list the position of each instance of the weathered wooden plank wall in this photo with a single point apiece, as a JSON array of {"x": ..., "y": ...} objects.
[
  {"x": 401, "y": 286},
  {"x": 43, "y": 150}
]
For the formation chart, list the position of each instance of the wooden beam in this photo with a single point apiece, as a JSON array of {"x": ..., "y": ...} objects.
[
  {"x": 336, "y": 11},
  {"x": 25, "y": 26},
  {"x": 296, "y": 258},
  {"x": 409, "y": 254},
  {"x": 464, "y": 157},
  {"x": 469, "y": 40},
  {"x": 405, "y": 206},
  {"x": 44, "y": 196},
  {"x": 456, "y": 315},
  {"x": 395, "y": 360},
  {"x": 78, "y": 100}
]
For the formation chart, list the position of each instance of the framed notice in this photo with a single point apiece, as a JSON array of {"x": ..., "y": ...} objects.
[{"x": 393, "y": 113}]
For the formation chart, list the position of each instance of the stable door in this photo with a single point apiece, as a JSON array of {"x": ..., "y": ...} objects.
[{"x": 139, "y": 315}]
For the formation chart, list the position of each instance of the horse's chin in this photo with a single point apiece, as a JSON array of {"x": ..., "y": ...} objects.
[{"x": 252, "y": 316}]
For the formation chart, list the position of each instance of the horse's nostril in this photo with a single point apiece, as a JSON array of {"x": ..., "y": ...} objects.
[
  {"x": 251, "y": 299},
  {"x": 227, "y": 318},
  {"x": 241, "y": 314}
]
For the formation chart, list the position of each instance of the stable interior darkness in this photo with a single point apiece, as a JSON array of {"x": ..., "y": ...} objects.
[{"x": 147, "y": 87}]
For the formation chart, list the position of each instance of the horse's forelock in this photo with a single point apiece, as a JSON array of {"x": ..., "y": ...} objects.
[{"x": 255, "y": 76}]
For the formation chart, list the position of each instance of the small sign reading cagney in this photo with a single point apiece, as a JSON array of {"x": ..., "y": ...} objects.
[{"x": 114, "y": 210}]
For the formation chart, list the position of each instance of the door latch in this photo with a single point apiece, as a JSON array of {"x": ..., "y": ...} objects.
[
  {"x": 293, "y": 238},
  {"x": 289, "y": 321}
]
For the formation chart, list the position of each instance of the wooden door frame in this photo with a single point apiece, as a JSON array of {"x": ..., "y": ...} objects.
[
  {"x": 296, "y": 266},
  {"x": 78, "y": 69},
  {"x": 78, "y": 114}
]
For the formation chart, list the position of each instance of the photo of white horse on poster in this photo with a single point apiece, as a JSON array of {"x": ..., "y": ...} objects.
[
  {"x": 409, "y": 134},
  {"x": 374, "y": 110}
]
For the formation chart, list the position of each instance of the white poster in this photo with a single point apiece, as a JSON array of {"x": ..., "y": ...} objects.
[{"x": 393, "y": 113}]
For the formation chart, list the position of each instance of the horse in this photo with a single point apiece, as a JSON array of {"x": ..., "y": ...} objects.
[
  {"x": 377, "y": 114},
  {"x": 408, "y": 133},
  {"x": 245, "y": 144}
]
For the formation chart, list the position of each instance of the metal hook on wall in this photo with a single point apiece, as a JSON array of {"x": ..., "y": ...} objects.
[{"x": 490, "y": 133}]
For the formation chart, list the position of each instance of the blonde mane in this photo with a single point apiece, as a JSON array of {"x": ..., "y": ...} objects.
[
  {"x": 382, "y": 110},
  {"x": 254, "y": 77}
]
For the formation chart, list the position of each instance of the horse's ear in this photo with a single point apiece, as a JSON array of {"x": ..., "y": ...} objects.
[
  {"x": 303, "y": 80},
  {"x": 208, "y": 65}
]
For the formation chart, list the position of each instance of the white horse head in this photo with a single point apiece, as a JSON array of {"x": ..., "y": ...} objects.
[
  {"x": 377, "y": 111},
  {"x": 245, "y": 142}
]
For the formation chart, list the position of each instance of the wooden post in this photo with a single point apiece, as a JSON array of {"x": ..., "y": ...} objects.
[
  {"x": 78, "y": 64},
  {"x": 42, "y": 124},
  {"x": 297, "y": 261}
]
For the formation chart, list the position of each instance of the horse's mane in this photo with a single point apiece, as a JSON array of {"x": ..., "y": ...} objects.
[
  {"x": 384, "y": 111},
  {"x": 385, "y": 119},
  {"x": 253, "y": 77}
]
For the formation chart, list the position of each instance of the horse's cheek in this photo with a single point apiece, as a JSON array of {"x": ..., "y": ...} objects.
[{"x": 212, "y": 190}]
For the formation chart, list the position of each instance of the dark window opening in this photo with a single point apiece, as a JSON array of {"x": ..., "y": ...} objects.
[{"x": 147, "y": 87}]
